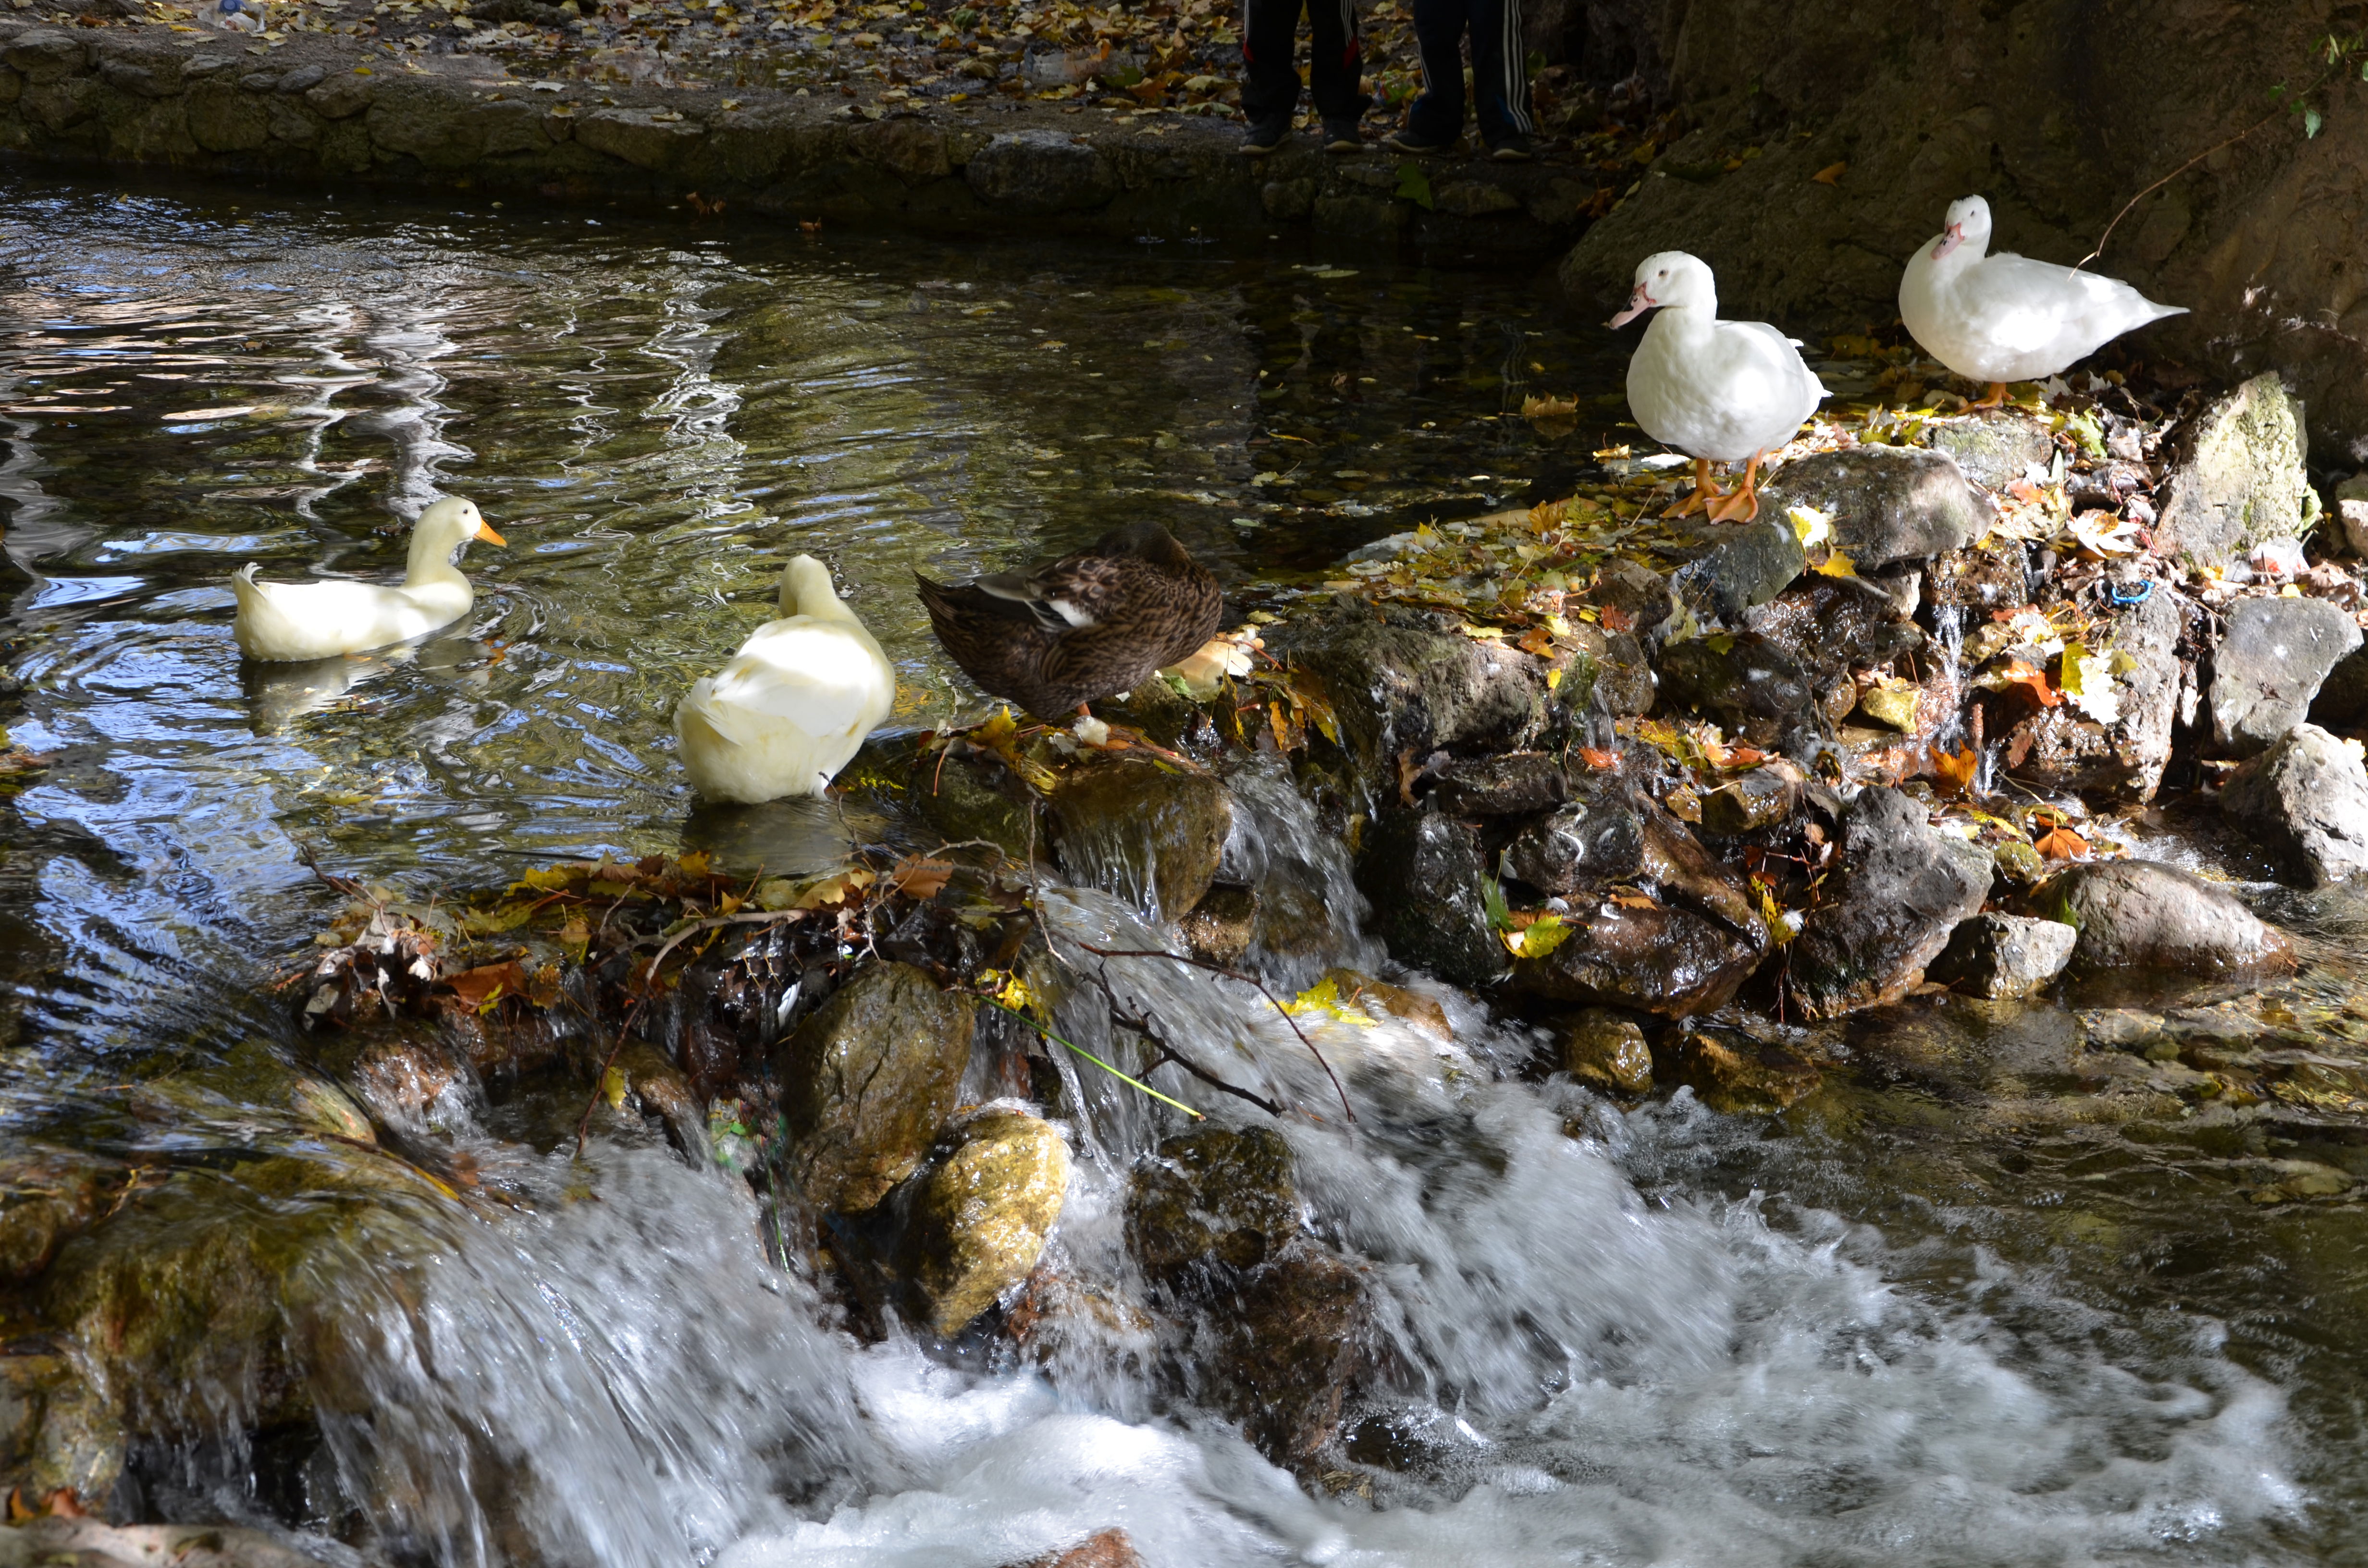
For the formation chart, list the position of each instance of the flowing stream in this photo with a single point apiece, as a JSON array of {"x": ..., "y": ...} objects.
[{"x": 1941, "y": 1314}]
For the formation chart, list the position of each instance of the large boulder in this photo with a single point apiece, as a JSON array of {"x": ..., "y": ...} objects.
[
  {"x": 1888, "y": 504},
  {"x": 1405, "y": 682},
  {"x": 2001, "y": 956},
  {"x": 1905, "y": 886},
  {"x": 984, "y": 1212},
  {"x": 1747, "y": 682},
  {"x": 2271, "y": 661},
  {"x": 2144, "y": 914},
  {"x": 2123, "y": 753},
  {"x": 2306, "y": 800},
  {"x": 869, "y": 1080},
  {"x": 2238, "y": 478},
  {"x": 1741, "y": 567},
  {"x": 1143, "y": 831},
  {"x": 1994, "y": 450},
  {"x": 1422, "y": 872}
]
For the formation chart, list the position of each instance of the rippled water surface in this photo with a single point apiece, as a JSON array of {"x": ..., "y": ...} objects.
[{"x": 1947, "y": 1312}]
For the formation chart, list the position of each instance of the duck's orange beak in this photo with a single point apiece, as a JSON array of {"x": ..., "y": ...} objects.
[
  {"x": 485, "y": 531},
  {"x": 1639, "y": 303}
]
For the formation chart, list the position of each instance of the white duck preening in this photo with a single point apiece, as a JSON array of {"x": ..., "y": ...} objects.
[
  {"x": 2007, "y": 318},
  {"x": 288, "y": 621},
  {"x": 800, "y": 696},
  {"x": 1717, "y": 390}
]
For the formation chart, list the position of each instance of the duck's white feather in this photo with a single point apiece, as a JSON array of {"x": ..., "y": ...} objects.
[
  {"x": 2006, "y": 317},
  {"x": 1714, "y": 389},
  {"x": 792, "y": 705},
  {"x": 288, "y": 621}
]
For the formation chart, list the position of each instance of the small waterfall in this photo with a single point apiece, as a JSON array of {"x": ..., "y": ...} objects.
[{"x": 1949, "y": 632}]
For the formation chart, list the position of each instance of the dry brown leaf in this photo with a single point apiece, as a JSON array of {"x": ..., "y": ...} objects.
[
  {"x": 2033, "y": 679},
  {"x": 917, "y": 876},
  {"x": 1830, "y": 175},
  {"x": 1617, "y": 620},
  {"x": 487, "y": 982},
  {"x": 1955, "y": 772},
  {"x": 2060, "y": 842}
]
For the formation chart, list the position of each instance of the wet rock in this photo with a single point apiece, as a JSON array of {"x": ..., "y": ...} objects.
[
  {"x": 1893, "y": 703},
  {"x": 983, "y": 1213},
  {"x": 1742, "y": 567},
  {"x": 1041, "y": 172},
  {"x": 2306, "y": 800},
  {"x": 1221, "y": 926},
  {"x": 1150, "y": 835},
  {"x": 1647, "y": 954},
  {"x": 1993, "y": 449},
  {"x": 1298, "y": 1332},
  {"x": 1588, "y": 844},
  {"x": 656, "y": 1086},
  {"x": 1905, "y": 887},
  {"x": 1625, "y": 687},
  {"x": 1761, "y": 798},
  {"x": 1738, "y": 1075},
  {"x": 1832, "y": 625},
  {"x": 2352, "y": 512},
  {"x": 1218, "y": 1196},
  {"x": 869, "y": 1080},
  {"x": 1512, "y": 785},
  {"x": 2269, "y": 666},
  {"x": 2003, "y": 955},
  {"x": 1977, "y": 580},
  {"x": 1748, "y": 682},
  {"x": 1379, "y": 998},
  {"x": 1888, "y": 504},
  {"x": 1606, "y": 1049},
  {"x": 2143, "y": 914},
  {"x": 2238, "y": 478},
  {"x": 1403, "y": 682},
  {"x": 966, "y": 798},
  {"x": 1635, "y": 591},
  {"x": 1105, "y": 1549},
  {"x": 1421, "y": 872},
  {"x": 93, "y": 1543}
]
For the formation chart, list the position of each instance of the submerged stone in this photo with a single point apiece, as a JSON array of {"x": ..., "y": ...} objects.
[
  {"x": 868, "y": 1081},
  {"x": 1218, "y": 1196},
  {"x": 2003, "y": 955},
  {"x": 1221, "y": 926},
  {"x": 1606, "y": 1049},
  {"x": 1738, "y": 1075}
]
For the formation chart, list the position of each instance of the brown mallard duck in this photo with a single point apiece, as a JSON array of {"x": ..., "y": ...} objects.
[{"x": 1076, "y": 629}]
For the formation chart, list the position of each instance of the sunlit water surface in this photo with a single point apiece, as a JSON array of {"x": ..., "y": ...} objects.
[{"x": 1938, "y": 1316}]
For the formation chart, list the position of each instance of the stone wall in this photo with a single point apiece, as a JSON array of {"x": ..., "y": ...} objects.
[
  {"x": 2059, "y": 111},
  {"x": 341, "y": 115}
]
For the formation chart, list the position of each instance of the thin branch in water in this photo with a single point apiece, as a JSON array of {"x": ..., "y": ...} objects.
[
  {"x": 1090, "y": 1056},
  {"x": 600, "y": 1079},
  {"x": 1167, "y": 1052},
  {"x": 1219, "y": 969}
]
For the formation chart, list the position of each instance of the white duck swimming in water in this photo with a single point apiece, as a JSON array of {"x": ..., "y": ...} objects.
[
  {"x": 786, "y": 713},
  {"x": 1718, "y": 391},
  {"x": 2006, "y": 317},
  {"x": 288, "y": 621}
]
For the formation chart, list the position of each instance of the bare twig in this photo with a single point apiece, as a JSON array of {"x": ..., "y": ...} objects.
[
  {"x": 1098, "y": 1062},
  {"x": 2166, "y": 179},
  {"x": 1169, "y": 1054},
  {"x": 600, "y": 1079},
  {"x": 761, "y": 917},
  {"x": 1219, "y": 969}
]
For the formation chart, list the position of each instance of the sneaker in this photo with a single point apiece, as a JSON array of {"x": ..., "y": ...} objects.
[
  {"x": 1409, "y": 141},
  {"x": 1342, "y": 136},
  {"x": 1264, "y": 138},
  {"x": 1511, "y": 149}
]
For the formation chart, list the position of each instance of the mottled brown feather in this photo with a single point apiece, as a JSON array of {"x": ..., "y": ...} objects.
[{"x": 1151, "y": 605}]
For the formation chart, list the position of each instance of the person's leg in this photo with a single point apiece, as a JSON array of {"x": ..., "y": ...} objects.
[
  {"x": 1437, "y": 116},
  {"x": 1269, "y": 81},
  {"x": 1500, "y": 81},
  {"x": 1336, "y": 60}
]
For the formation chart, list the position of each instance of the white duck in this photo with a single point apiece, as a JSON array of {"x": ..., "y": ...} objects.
[
  {"x": 1722, "y": 391},
  {"x": 2006, "y": 317},
  {"x": 288, "y": 621},
  {"x": 786, "y": 713}
]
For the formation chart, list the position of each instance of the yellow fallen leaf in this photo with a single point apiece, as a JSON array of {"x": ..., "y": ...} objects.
[
  {"x": 1836, "y": 565},
  {"x": 1830, "y": 175},
  {"x": 1549, "y": 407}
]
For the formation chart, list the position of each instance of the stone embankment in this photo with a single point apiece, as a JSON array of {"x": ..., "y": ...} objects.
[{"x": 335, "y": 115}]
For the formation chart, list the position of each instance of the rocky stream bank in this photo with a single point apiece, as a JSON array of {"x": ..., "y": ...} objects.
[{"x": 1954, "y": 732}]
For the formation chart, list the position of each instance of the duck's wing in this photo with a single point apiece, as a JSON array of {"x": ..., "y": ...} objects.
[
  {"x": 2039, "y": 305},
  {"x": 823, "y": 676},
  {"x": 1074, "y": 592},
  {"x": 1782, "y": 353}
]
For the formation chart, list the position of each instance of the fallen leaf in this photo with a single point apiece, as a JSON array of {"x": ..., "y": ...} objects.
[
  {"x": 2060, "y": 842},
  {"x": 2033, "y": 679},
  {"x": 1955, "y": 772},
  {"x": 1614, "y": 618},
  {"x": 1836, "y": 565},
  {"x": 1634, "y": 901},
  {"x": 917, "y": 876},
  {"x": 1601, "y": 761},
  {"x": 1549, "y": 407},
  {"x": 1538, "y": 642},
  {"x": 480, "y": 988},
  {"x": 1830, "y": 175},
  {"x": 1538, "y": 938}
]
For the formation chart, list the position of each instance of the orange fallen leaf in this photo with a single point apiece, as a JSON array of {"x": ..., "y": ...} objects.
[
  {"x": 1602, "y": 761},
  {"x": 1634, "y": 901},
  {"x": 2033, "y": 679},
  {"x": 1830, "y": 175},
  {"x": 917, "y": 876},
  {"x": 2060, "y": 842},
  {"x": 476, "y": 987},
  {"x": 1955, "y": 772},
  {"x": 1537, "y": 640},
  {"x": 1617, "y": 620}
]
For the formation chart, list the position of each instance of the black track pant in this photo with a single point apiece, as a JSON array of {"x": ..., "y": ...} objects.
[
  {"x": 1271, "y": 82},
  {"x": 1498, "y": 78}
]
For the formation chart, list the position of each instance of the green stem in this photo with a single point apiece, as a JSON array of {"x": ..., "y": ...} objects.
[{"x": 1090, "y": 1056}]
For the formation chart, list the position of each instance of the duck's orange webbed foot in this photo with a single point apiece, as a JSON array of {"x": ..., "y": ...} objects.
[
  {"x": 1742, "y": 504},
  {"x": 1993, "y": 398},
  {"x": 1704, "y": 492}
]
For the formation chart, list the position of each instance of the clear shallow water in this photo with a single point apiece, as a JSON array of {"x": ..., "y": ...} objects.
[{"x": 1942, "y": 1316}]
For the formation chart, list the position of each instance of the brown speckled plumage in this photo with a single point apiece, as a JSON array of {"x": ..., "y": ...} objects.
[{"x": 1082, "y": 628}]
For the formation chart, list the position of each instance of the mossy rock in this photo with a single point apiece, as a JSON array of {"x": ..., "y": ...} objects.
[
  {"x": 869, "y": 1081},
  {"x": 984, "y": 1211},
  {"x": 1145, "y": 832},
  {"x": 1219, "y": 1197}
]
